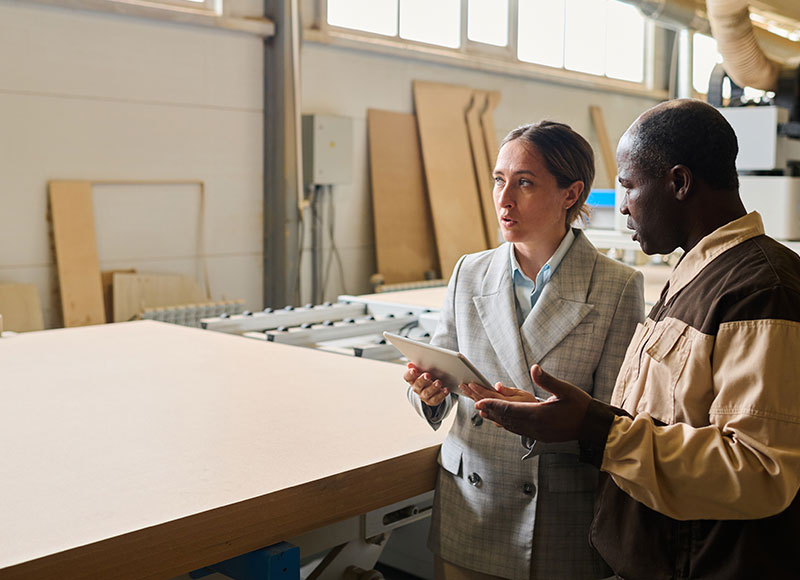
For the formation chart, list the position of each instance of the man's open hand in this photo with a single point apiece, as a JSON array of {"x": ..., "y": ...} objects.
[
  {"x": 558, "y": 418},
  {"x": 478, "y": 392}
]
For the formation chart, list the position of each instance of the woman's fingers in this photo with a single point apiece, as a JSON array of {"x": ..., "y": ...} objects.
[
  {"x": 434, "y": 393},
  {"x": 412, "y": 373}
]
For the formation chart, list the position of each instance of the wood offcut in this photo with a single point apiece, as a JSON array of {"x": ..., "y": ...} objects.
[
  {"x": 449, "y": 171},
  {"x": 76, "y": 253},
  {"x": 21, "y": 307},
  {"x": 404, "y": 241},
  {"x": 606, "y": 151}
]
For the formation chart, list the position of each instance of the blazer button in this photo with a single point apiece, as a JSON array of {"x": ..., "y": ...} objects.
[
  {"x": 477, "y": 420},
  {"x": 528, "y": 488},
  {"x": 475, "y": 479}
]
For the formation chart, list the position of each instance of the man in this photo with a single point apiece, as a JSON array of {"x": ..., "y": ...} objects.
[{"x": 700, "y": 447}]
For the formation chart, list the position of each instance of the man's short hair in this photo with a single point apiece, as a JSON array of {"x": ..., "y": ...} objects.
[{"x": 690, "y": 133}]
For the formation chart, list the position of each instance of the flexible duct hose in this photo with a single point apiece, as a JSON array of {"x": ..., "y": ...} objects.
[{"x": 744, "y": 61}]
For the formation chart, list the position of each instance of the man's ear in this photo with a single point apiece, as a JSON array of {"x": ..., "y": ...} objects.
[{"x": 682, "y": 181}]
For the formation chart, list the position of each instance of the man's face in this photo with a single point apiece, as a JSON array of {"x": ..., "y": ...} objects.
[{"x": 649, "y": 203}]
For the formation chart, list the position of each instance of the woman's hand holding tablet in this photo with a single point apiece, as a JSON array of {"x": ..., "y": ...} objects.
[{"x": 450, "y": 368}]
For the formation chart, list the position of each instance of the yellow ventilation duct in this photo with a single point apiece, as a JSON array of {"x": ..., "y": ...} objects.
[{"x": 743, "y": 59}]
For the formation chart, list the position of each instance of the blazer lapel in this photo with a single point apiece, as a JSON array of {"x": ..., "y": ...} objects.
[
  {"x": 562, "y": 305},
  {"x": 497, "y": 311}
]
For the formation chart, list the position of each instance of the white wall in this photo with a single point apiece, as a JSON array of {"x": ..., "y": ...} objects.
[
  {"x": 95, "y": 96},
  {"x": 346, "y": 81}
]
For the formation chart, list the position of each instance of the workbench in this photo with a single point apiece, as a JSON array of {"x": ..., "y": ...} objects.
[{"x": 146, "y": 450}]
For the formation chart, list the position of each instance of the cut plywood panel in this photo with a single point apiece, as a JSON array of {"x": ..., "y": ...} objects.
[
  {"x": 487, "y": 124},
  {"x": 107, "y": 277},
  {"x": 76, "y": 253},
  {"x": 452, "y": 189},
  {"x": 20, "y": 307},
  {"x": 404, "y": 242},
  {"x": 607, "y": 152},
  {"x": 483, "y": 169},
  {"x": 132, "y": 293},
  {"x": 155, "y": 436}
]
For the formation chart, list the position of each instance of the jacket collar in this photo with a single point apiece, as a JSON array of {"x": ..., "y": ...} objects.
[
  {"x": 560, "y": 308},
  {"x": 710, "y": 247}
]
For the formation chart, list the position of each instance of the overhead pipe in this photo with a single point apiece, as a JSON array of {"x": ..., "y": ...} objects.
[
  {"x": 740, "y": 44},
  {"x": 743, "y": 58},
  {"x": 677, "y": 14}
]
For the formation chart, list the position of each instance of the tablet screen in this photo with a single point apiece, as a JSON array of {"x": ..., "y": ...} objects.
[{"x": 450, "y": 367}]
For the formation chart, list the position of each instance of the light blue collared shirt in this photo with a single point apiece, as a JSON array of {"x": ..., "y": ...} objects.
[{"x": 528, "y": 291}]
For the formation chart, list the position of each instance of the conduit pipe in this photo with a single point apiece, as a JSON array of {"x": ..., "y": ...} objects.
[
  {"x": 683, "y": 14},
  {"x": 673, "y": 13},
  {"x": 743, "y": 58}
]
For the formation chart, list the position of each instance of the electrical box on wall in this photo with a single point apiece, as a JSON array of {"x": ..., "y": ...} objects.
[{"x": 327, "y": 150}]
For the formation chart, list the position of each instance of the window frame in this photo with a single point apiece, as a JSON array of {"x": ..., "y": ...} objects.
[
  {"x": 476, "y": 55},
  {"x": 480, "y": 48},
  {"x": 210, "y": 7}
]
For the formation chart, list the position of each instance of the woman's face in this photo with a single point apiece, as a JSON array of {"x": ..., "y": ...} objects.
[{"x": 530, "y": 206}]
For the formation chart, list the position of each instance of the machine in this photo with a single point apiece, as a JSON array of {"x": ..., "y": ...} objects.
[{"x": 768, "y": 130}]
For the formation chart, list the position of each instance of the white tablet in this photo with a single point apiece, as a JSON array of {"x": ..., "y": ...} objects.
[{"x": 450, "y": 367}]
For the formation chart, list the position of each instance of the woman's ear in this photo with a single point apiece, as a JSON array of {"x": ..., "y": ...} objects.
[{"x": 574, "y": 191}]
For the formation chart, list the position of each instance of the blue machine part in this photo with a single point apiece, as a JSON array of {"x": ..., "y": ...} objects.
[
  {"x": 601, "y": 198},
  {"x": 279, "y": 561}
]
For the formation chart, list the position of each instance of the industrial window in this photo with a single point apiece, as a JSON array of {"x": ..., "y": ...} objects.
[
  {"x": 431, "y": 22},
  {"x": 376, "y": 16},
  {"x": 598, "y": 37},
  {"x": 487, "y": 22},
  {"x": 704, "y": 58},
  {"x": 437, "y": 23}
]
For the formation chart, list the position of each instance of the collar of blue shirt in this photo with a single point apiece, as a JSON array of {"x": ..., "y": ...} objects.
[{"x": 527, "y": 291}]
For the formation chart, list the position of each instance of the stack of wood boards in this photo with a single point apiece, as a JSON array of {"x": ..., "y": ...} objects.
[
  {"x": 89, "y": 297},
  {"x": 134, "y": 293},
  {"x": 20, "y": 307},
  {"x": 431, "y": 183},
  {"x": 404, "y": 239}
]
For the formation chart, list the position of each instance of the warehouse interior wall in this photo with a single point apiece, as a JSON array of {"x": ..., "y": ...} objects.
[
  {"x": 101, "y": 97},
  {"x": 95, "y": 96},
  {"x": 345, "y": 81}
]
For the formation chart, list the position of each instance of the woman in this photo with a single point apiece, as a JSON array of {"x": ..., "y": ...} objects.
[{"x": 546, "y": 296}]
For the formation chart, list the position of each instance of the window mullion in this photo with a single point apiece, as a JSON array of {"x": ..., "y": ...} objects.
[
  {"x": 513, "y": 29},
  {"x": 464, "y": 24},
  {"x": 321, "y": 15},
  {"x": 399, "y": 10},
  {"x": 605, "y": 39},
  {"x": 564, "y": 36}
]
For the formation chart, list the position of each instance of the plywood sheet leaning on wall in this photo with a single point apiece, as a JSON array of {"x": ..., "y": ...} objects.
[
  {"x": 483, "y": 167},
  {"x": 607, "y": 152},
  {"x": 449, "y": 173},
  {"x": 404, "y": 241},
  {"x": 487, "y": 124},
  {"x": 132, "y": 293},
  {"x": 76, "y": 253},
  {"x": 20, "y": 307}
]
